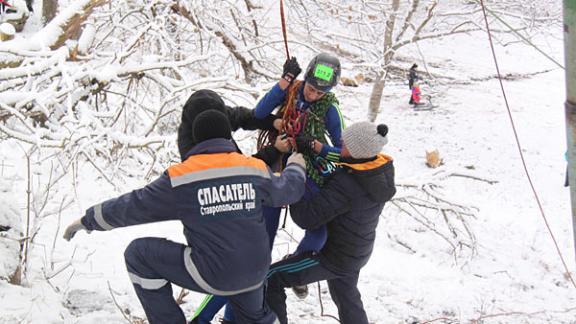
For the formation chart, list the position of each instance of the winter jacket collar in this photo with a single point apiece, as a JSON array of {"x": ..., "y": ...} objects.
[
  {"x": 301, "y": 103},
  {"x": 376, "y": 175},
  {"x": 215, "y": 145},
  {"x": 368, "y": 164}
]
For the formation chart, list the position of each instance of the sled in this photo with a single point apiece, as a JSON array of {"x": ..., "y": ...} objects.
[{"x": 423, "y": 106}]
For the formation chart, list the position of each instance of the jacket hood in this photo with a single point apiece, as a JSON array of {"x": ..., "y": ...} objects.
[
  {"x": 198, "y": 102},
  {"x": 376, "y": 175}
]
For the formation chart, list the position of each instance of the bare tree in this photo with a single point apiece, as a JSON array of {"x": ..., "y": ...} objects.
[
  {"x": 49, "y": 9},
  {"x": 101, "y": 86},
  {"x": 373, "y": 33},
  {"x": 430, "y": 210},
  {"x": 115, "y": 76}
]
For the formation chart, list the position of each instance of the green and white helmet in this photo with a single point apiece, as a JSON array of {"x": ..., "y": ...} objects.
[{"x": 323, "y": 72}]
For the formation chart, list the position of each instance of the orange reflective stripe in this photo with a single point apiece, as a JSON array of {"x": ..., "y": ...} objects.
[{"x": 202, "y": 162}]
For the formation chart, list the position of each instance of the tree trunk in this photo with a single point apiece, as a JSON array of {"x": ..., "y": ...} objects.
[
  {"x": 49, "y": 8},
  {"x": 376, "y": 96},
  {"x": 16, "y": 277},
  {"x": 7, "y": 32},
  {"x": 378, "y": 88}
]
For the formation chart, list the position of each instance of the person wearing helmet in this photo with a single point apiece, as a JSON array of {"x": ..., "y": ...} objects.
[
  {"x": 312, "y": 122},
  {"x": 310, "y": 111}
]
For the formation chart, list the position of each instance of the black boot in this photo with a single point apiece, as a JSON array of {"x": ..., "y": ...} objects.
[{"x": 300, "y": 291}]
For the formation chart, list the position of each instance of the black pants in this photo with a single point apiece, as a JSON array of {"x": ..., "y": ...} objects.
[{"x": 306, "y": 268}]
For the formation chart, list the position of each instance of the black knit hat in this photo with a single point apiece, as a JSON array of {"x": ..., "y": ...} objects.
[
  {"x": 198, "y": 102},
  {"x": 211, "y": 124}
]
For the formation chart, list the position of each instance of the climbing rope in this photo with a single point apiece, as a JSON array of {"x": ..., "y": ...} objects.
[
  {"x": 284, "y": 29},
  {"x": 322, "y": 305},
  {"x": 518, "y": 145},
  {"x": 293, "y": 126},
  {"x": 512, "y": 29}
]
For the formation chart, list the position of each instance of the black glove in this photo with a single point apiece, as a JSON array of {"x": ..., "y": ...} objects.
[
  {"x": 291, "y": 70},
  {"x": 305, "y": 144}
]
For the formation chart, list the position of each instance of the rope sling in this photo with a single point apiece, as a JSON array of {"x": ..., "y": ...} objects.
[{"x": 309, "y": 122}]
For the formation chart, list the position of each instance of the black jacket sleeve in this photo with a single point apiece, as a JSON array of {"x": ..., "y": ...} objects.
[
  {"x": 242, "y": 117},
  {"x": 269, "y": 154},
  {"x": 331, "y": 201}
]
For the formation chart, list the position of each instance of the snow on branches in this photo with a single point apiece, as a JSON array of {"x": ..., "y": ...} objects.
[{"x": 430, "y": 209}]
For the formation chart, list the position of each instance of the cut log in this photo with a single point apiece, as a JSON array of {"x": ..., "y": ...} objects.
[{"x": 7, "y": 32}]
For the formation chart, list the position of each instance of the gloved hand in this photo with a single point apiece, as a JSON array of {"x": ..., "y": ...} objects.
[
  {"x": 305, "y": 144},
  {"x": 73, "y": 228},
  {"x": 291, "y": 70},
  {"x": 282, "y": 144},
  {"x": 297, "y": 158}
]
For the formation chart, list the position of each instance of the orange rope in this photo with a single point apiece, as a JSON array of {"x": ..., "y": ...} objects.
[{"x": 269, "y": 137}]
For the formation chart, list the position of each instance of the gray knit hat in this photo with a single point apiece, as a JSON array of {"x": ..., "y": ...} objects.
[{"x": 365, "y": 139}]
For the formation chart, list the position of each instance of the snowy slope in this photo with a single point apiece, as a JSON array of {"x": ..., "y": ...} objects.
[{"x": 508, "y": 273}]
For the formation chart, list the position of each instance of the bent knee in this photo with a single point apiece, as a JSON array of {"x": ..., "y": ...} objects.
[{"x": 134, "y": 250}]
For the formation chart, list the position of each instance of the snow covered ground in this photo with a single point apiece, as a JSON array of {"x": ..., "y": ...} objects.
[{"x": 504, "y": 270}]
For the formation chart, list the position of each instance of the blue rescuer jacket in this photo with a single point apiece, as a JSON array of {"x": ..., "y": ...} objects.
[{"x": 218, "y": 195}]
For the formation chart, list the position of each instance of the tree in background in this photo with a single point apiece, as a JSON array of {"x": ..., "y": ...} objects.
[
  {"x": 104, "y": 81},
  {"x": 378, "y": 36},
  {"x": 100, "y": 88}
]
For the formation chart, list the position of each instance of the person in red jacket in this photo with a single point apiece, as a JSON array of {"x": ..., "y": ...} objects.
[
  {"x": 3, "y": 5},
  {"x": 416, "y": 94}
]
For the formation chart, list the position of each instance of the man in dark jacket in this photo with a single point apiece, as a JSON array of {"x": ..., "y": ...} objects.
[
  {"x": 412, "y": 77},
  {"x": 349, "y": 204},
  {"x": 239, "y": 117},
  {"x": 217, "y": 194}
]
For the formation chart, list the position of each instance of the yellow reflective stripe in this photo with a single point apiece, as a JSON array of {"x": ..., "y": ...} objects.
[{"x": 342, "y": 125}]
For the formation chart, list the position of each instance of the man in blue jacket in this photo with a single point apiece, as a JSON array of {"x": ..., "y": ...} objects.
[
  {"x": 217, "y": 194},
  {"x": 349, "y": 204}
]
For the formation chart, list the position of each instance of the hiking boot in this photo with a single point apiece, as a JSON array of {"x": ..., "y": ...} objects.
[{"x": 300, "y": 291}]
